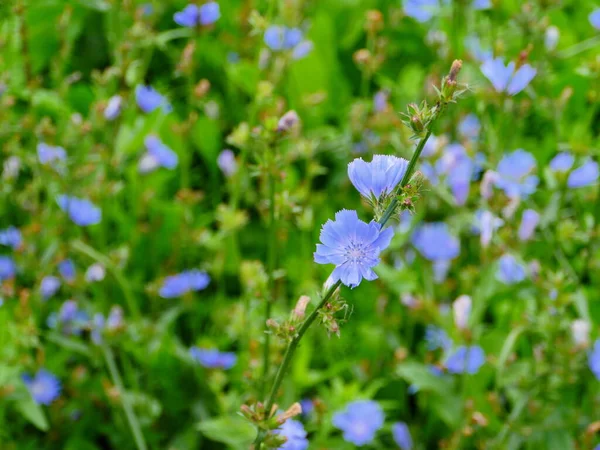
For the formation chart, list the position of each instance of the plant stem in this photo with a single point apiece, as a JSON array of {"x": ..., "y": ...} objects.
[{"x": 132, "y": 420}]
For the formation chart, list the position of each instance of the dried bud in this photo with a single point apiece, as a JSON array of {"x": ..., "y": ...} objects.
[
  {"x": 289, "y": 120},
  {"x": 362, "y": 56},
  {"x": 202, "y": 88},
  {"x": 292, "y": 411},
  {"x": 300, "y": 309},
  {"x": 271, "y": 323},
  {"x": 479, "y": 419},
  {"x": 374, "y": 20},
  {"x": 454, "y": 70}
]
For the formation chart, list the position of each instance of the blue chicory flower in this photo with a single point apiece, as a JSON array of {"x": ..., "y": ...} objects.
[
  {"x": 49, "y": 286},
  {"x": 594, "y": 359},
  {"x": 359, "y": 421},
  {"x": 379, "y": 177},
  {"x": 193, "y": 15},
  {"x": 209, "y": 13},
  {"x": 479, "y": 53},
  {"x": 114, "y": 321},
  {"x": 594, "y": 18},
  {"x": 402, "y": 436},
  {"x": 280, "y": 38},
  {"x": 307, "y": 406},
  {"x": 435, "y": 243},
  {"x": 66, "y": 268},
  {"x": 97, "y": 328},
  {"x": 44, "y": 387},
  {"x": 184, "y": 282},
  {"x": 68, "y": 311},
  {"x": 275, "y": 37},
  {"x": 353, "y": 246},
  {"x": 96, "y": 272},
  {"x": 436, "y": 338},
  {"x": 81, "y": 211},
  {"x": 302, "y": 49},
  {"x": 380, "y": 101},
  {"x": 7, "y": 268},
  {"x": 469, "y": 127},
  {"x": 505, "y": 78},
  {"x": 562, "y": 162},
  {"x": 161, "y": 155},
  {"x": 513, "y": 174},
  {"x": 11, "y": 237},
  {"x": 113, "y": 108},
  {"x": 49, "y": 154},
  {"x": 148, "y": 99},
  {"x": 529, "y": 221},
  {"x": 583, "y": 176},
  {"x": 295, "y": 433},
  {"x": 485, "y": 224},
  {"x": 213, "y": 359},
  {"x": 479, "y": 5},
  {"x": 510, "y": 271},
  {"x": 466, "y": 360},
  {"x": 227, "y": 163},
  {"x": 421, "y": 10}
]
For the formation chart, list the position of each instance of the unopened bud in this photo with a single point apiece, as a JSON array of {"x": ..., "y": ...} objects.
[
  {"x": 272, "y": 323},
  {"x": 288, "y": 121},
  {"x": 454, "y": 70},
  {"x": 374, "y": 20},
  {"x": 416, "y": 124},
  {"x": 300, "y": 309},
  {"x": 362, "y": 56}
]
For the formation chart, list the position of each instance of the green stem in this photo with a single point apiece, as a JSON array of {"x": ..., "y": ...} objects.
[{"x": 134, "y": 425}]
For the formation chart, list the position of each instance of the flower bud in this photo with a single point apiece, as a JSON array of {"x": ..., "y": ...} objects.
[
  {"x": 289, "y": 120},
  {"x": 300, "y": 309},
  {"x": 362, "y": 56}
]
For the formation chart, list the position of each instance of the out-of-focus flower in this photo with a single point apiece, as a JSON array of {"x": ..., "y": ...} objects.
[
  {"x": 113, "y": 108},
  {"x": 505, "y": 78},
  {"x": 193, "y": 15},
  {"x": 461, "y": 309},
  {"x": 488, "y": 181},
  {"x": 402, "y": 436},
  {"x": 49, "y": 154},
  {"x": 514, "y": 174},
  {"x": 302, "y": 49},
  {"x": 11, "y": 167},
  {"x": 509, "y": 270},
  {"x": 295, "y": 433},
  {"x": 68, "y": 311},
  {"x": 485, "y": 224},
  {"x": 583, "y": 176},
  {"x": 97, "y": 327},
  {"x": 49, "y": 286},
  {"x": 7, "y": 268},
  {"x": 562, "y": 162},
  {"x": 431, "y": 146},
  {"x": 481, "y": 4},
  {"x": 469, "y": 127},
  {"x": 66, "y": 268},
  {"x": 458, "y": 168},
  {"x": 580, "y": 330},
  {"x": 595, "y": 18},
  {"x": 281, "y": 38},
  {"x": 148, "y": 99},
  {"x": 353, "y": 246},
  {"x": 466, "y": 359},
  {"x": 359, "y": 421},
  {"x": 479, "y": 53},
  {"x": 529, "y": 221},
  {"x": 436, "y": 338},
  {"x": 594, "y": 359},
  {"x": 81, "y": 211},
  {"x": 11, "y": 237},
  {"x": 435, "y": 243},
  {"x": 184, "y": 282},
  {"x": 421, "y": 10},
  {"x": 70, "y": 320},
  {"x": 288, "y": 121},
  {"x": 213, "y": 359},
  {"x": 96, "y": 272},
  {"x": 161, "y": 155},
  {"x": 227, "y": 163},
  {"x": 44, "y": 387},
  {"x": 307, "y": 406},
  {"x": 551, "y": 38},
  {"x": 380, "y": 100},
  {"x": 378, "y": 177},
  {"x": 114, "y": 320}
]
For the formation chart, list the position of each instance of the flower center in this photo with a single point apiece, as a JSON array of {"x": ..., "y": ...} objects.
[{"x": 355, "y": 252}]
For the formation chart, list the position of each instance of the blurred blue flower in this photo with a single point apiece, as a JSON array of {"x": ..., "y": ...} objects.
[
  {"x": 436, "y": 338},
  {"x": 435, "y": 243},
  {"x": 184, "y": 282},
  {"x": 70, "y": 320},
  {"x": 227, "y": 163},
  {"x": 307, "y": 406},
  {"x": 380, "y": 101},
  {"x": 359, "y": 421},
  {"x": 431, "y": 146},
  {"x": 96, "y": 329},
  {"x": 513, "y": 174},
  {"x": 440, "y": 270},
  {"x": 66, "y": 268},
  {"x": 162, "y": 155},
  {"x": 595, "y": 18},
  {"x": 302, "y": 49},
  {"x": 48, "y": 154},
  {"x": 44, "y": 387},
  {"x": 114, "y": 320},
  {"x": 481, "y": 4},
  {"x": 479, "y": 53},
  {"x": 81, "y": 211},
  {"x": 212, "y": 358},
  {"x": 188, "y": 17},
  {"x": 529, "y": 221},
  {"x": 551, "y": 37},
  {"x": 594, "y": 359},
  {"x": 113, "y": 108},
  {"x": 562, "y": 162},
  {"x": 505, "y": 78},
  {"x": 485, "y": 224},
  {"x": 421, "y": 10},
  {"x": 466, "y": 360},
  {"x": 68, "y": 311},
  {"x": 49, "y": 286},
  {"x": 7, "y": 268},
  {"x": 96, "y": 272},
  {"x": 292, "y": 37},
  {"x": 275, "y": 37},
  {"x": 583, "y": 176},
  {"x": 510, "y": 271},
  {"x": 458, "y": 168},
  {"x": 209, "y": 13},
  {"x": 469, "y": 127},
  {"x": 279, "y": 38},
  {"x": 295, "y": 433},
  {"x": 378, "y": 177},
  {"x": 148, "y": 99},
  {"x": 402, "y": 436},
  {"x": 11, "y": 237},
  {"x": 353, "y": 246}
]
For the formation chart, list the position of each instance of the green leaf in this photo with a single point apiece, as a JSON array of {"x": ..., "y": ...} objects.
[
  {"x": 33, "y": 412},
  {"x": 507, "y": 348},
  {"x": 234, "y": 431},
  {"x": 98, "y": 5},
  {"x": 207, "y": 136}
]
